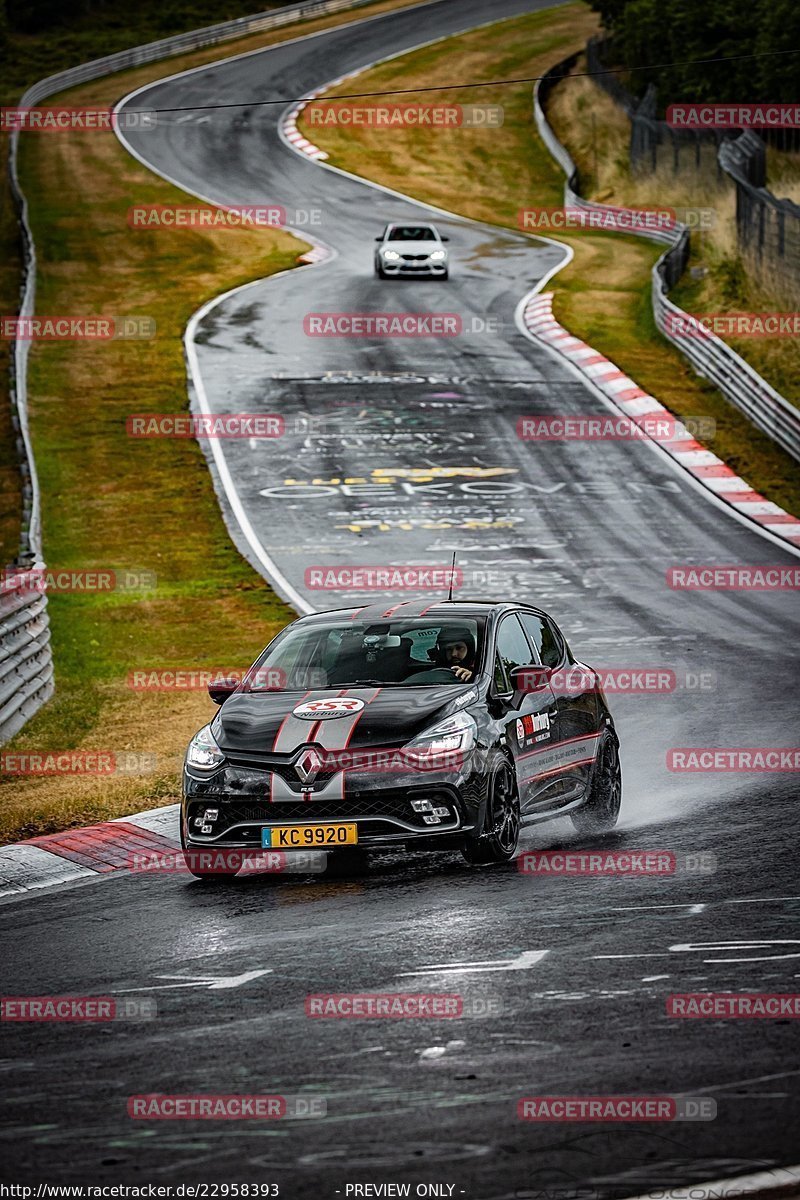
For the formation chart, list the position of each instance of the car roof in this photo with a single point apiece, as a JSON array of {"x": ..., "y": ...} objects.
[{"x": 393, "y": 610}]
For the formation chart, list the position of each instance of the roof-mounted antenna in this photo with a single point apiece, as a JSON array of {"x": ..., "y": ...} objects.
[{"x": 452, "y": 574}]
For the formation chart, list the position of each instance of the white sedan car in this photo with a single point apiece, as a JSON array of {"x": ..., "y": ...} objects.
[{"x": 411, "y": 250}]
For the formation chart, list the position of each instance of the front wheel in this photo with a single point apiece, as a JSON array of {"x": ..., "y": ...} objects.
[
  {"x": 498, "y": 843},
  {"x": 601, "y": 811}
]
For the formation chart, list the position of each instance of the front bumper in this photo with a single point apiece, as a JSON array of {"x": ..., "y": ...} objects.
[
  {"x": 403, "y": 267},
  {"x": 395, "y": 813}
]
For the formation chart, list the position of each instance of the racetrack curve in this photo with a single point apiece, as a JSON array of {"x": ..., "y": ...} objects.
[{"x": 587, "y": 531}]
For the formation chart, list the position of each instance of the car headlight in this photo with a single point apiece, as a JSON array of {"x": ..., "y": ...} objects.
[
  {"x": 443, "y": 744},
  {"x": 390, "y": 255},
  {"x": 204, "y": 754},
  {"x": 438, "y": 255}
]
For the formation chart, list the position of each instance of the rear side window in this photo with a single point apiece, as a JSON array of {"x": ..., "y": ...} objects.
[
  {"x": 512, "y": 651},
  {"x": 545, "y": 637}
]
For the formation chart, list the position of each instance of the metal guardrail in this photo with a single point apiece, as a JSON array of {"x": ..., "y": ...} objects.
[
  {"x": 709, "y": 355},
  {"x": 767, "y": 229},
  {"x": 26, "y": 662}
]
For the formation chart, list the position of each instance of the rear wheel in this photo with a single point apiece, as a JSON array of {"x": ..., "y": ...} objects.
[
  {"x": 498, "y": 843},
  {"x": 601, "y": 811}
]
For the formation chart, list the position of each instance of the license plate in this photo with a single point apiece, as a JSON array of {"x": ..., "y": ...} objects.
[{"x": 303, "y": 837}]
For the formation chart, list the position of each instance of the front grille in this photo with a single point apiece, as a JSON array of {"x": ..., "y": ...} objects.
[
  {"x": 253, "y": 776},
  {"x": 388, "y": 804},
  {"x": 415, "y": 257}
]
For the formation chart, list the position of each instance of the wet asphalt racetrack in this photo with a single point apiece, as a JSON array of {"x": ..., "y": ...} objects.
[{"x": 414, "y": 453}]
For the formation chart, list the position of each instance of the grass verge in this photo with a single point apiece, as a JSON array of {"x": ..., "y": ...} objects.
[
  {"x": 108, "y": 501},
  {"x": 603, "y": 296},
  {"x": 597, "y": 134}
]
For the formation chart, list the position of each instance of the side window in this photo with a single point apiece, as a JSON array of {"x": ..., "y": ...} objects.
[
  {"x": 545, "y": 638},
  {"x": 512, "y": 651}
]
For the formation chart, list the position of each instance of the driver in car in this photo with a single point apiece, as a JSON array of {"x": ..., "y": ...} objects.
[{"x": 455, "y": 648}]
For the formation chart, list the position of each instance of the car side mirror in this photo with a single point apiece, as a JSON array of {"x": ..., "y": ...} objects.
[
  {"x": 379, "y": 239},
  {"x": 220, "y": 689},
  {"x": 527, "y": 681},
  {"x": 445, "y": 239}
]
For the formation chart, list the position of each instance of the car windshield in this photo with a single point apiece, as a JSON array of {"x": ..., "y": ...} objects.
[
  {"x": 403, "y": 653},
  {"x": 411, "y": 233}
]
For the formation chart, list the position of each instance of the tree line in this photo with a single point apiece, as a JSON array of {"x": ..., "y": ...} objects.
[{"x": 650, "y": 33}]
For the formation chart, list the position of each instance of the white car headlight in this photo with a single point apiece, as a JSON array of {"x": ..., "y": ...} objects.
[
  {"x": 391, "y": 255},
  {"x": 450, "y": 739},
  {"x": 204, "y": 754},
  {"x": 438, "y": 255}
]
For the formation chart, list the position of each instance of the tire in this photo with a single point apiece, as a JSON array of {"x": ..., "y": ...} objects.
[
  {"x": 445, "y": 277},
  {"x": 601, "y": 811},
  {"x": 209, "y": 876},
  {"x": 380, "y": 273},
  {"x": 498, "y": 843}
]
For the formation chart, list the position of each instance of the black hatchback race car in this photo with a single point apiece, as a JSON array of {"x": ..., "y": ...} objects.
[{"x": 424, "y": 725}]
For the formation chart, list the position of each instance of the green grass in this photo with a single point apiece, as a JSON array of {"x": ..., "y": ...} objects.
[
  {"x": 109, "y": 501},
  {"x": 112, "y": 502}
]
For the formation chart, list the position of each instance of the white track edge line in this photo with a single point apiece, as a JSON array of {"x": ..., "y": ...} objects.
[{"x": 762, "y": 1182}]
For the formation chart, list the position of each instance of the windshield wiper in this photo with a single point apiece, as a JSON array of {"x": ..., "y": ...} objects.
[{"x": 382, "y": 683}]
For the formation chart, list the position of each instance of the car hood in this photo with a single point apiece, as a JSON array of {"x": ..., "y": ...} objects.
[
  {"x": 412, "y": 247},
  {"x": 390, "y": 716}
]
